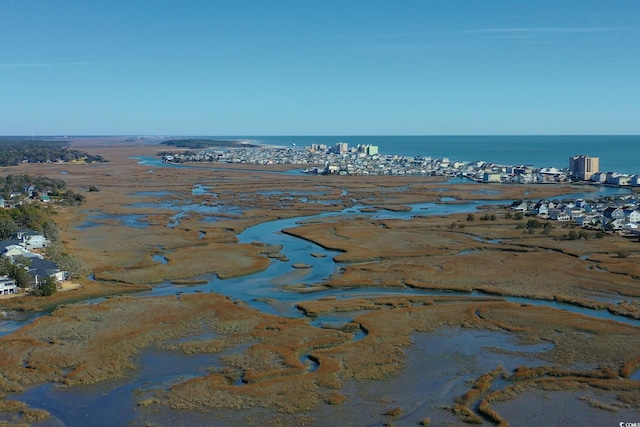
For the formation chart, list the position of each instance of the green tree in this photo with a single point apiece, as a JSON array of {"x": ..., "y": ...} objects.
[
  {"x": 48, "y": 286},
  {"x": 73, "y": 266},
  {"x": 15, "y": 271},
  {"x": 7, "y": 227},
  {"x": 534, "y": 223},
  {"x": 471, "y": 217},
  {"x": 50, "y": 231}
]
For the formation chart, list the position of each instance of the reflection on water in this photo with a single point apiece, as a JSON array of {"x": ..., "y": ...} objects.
[
  {"x": 439, "y": 365},
  {"x": 567, "y": 408},
  {"x": 438, "y": 369},
  {"x": 128, "y": 220}
]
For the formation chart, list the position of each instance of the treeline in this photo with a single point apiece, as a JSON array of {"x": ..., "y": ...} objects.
[
  {"x": 21, "y": 183},
  {"x": 28, "y": 186},
  {"x": 31, "y": 217},
  {"x": 201, "y": 143},
  {"x": 14, "y": 152}
]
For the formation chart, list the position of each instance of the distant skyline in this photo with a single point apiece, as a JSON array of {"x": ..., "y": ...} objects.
[{"x": 248, "y": 67}]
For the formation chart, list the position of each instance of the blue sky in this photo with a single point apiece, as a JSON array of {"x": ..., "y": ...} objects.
[{"x": 242, "y": 67}]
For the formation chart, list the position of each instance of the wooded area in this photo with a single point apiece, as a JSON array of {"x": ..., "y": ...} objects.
[{"x": 16, "y": 151}]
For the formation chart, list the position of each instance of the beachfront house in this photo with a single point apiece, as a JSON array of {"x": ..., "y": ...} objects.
[{"x": 7, "y": 286}]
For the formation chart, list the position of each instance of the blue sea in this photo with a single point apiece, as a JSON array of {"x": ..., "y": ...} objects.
[{"x": 617, "y": 153}]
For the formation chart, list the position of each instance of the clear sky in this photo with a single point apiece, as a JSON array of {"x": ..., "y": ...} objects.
[{"x": 324, "y": 67}]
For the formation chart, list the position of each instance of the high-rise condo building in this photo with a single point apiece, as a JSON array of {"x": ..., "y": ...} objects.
[{"x": 583, "y": 167}]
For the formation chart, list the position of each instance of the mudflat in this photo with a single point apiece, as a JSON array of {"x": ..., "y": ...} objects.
[{"x": 148, "y": 226}]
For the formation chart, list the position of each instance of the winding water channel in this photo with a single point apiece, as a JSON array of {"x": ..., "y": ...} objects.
[{"x": 263, "y": 291}]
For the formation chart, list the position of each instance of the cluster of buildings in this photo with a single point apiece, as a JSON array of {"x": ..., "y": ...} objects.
[
  {"x": 256, "y": 156},
  {"x": 364, "y": 159},
  {"x": 28, "y": 194},
  {"x": 22, "y": 248},
  {"x": 621, "y": 215}
]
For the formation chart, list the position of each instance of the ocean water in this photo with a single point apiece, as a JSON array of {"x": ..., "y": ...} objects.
[{"x": 616, "y": 153}]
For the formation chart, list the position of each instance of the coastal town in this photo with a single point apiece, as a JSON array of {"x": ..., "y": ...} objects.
[
  {"x": 398, "y": 268},
  {"x": 364, "y": 160},
  {"x": 620, "y": 214}
]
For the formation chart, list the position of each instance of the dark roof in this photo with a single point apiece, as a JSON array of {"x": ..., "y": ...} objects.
[
  {"x": 8, "y": 242},
  {"x": 43, "y": 267}
]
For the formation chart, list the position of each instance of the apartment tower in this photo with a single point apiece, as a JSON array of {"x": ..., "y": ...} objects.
[{"x": 583, "y": 167}]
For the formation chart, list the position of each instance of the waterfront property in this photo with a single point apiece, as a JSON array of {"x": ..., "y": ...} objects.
[
  {"x": 583, "y": 167},
  {"x": 365, "y": 160},
  {"x": 20, "y": 250},
  {"x": 7, "y": 286}
]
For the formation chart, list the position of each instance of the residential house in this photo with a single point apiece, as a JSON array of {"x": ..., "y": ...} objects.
[
  {"x": 31, "y": 239},
  {"x": 525, "y": 178},
  {"x": 7, "y": 286},
  {"x": 617, "y": 224},
  {"x": 520, "y": 206},
  {"x": 541, "y": 209},
  {"x": 12, "y": 251},
  {"x": 612, "y": 177},
  {"x": 613, "y": 213},
  {"x": 622, "y": 180},
  {"x": 584, "y": 205},
  {"x": 559, "y": 215},
  {"x": 43, "y": 268},
  {"x": 491, "y": 177},
  {"x": 634, "y": 216},
  {"x": 599, "y": 177},
  {"x": 573, "y": 212}
]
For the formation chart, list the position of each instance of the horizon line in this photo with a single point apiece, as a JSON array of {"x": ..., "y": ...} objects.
[{"x": 151, "y": 135}]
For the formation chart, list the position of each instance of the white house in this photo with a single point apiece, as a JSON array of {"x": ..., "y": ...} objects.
[
  {"x": 540, "y": 209},
  {"x": 491, "y": 177},
  {"x": 634, "y": 216},
  {"x": 617, "y": 224},
  {"x": 559, "y": 215},
  {"x": 613, "y": 213},
  {"x": 12, "y": 251},
  {"x": 33, "y": 240},
  {"x": 7, "y": 286},
  {"x": 622, "y": 180}
]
